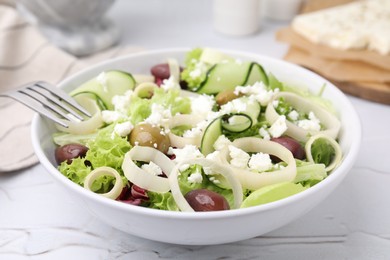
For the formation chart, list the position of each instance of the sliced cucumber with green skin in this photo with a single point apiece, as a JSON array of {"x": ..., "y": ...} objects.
[
  {"x": 242, "y": 122},
  {"x": 211, "y": 134},
  {"x": 114, "y": 83},
  {"x": 229, "y": 75},
  {"x": 272, "y": 193},
  {"x": 93, "y": 96}
]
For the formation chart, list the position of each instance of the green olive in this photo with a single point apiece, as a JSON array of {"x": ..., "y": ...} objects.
[
  {"x": 149, "y": 135},
  {"x": 225, "y": 96}
]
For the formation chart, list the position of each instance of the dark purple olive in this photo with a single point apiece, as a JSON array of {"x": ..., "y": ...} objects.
[
  {"x": 291, "y": 144},
  {"x": 160, "y": 71},
  {"x": 206, "y": 200},
  {"x": 69, "y": 151}
]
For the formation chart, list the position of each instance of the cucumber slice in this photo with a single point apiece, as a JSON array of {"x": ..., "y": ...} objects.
[
  {"x": 272, "y": 193},
  {"x": 92, "y": 96},
  {"x": 256, "y": 73},
  {"x": 229, "y": 75},
  {"x": 211, "y": 134},
  {"x": 236, "y": 122},
  {"x": 114, "y": 83}
]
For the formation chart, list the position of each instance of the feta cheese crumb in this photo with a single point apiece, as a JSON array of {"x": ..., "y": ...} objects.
[
  {"x": 311, "y": 124},
  {"x": 278, "y": 127},
  {"x": 195, "y": 177},
  {"x": 152, "y": 168},
  {"x": 169, "y": 84},
  {"x": 264, "y": 133},
  {"x": 188, "y": 152},
  {"x": 123, "y": 129},
  {"x": 236, "y": 105},
  {"x": 202, "y": 105},
  {"x": 257, "y": 91},
  {"x": 221, "y": 143},
  {"x": 293, "y": 115},
  {"x": 239, "y": 158},
  {"x": 260, "y": 162},
  {"x": 159, "y": 115},
  {"x": 122, "y": 102}
]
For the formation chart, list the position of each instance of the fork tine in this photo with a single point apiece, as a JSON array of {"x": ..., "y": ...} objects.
[
  {"x": 59, "y": 93},
  {"x": 46, "y": 103},
  {"x": 36, "y": 106},
  {"x": 48, "y": 95}
]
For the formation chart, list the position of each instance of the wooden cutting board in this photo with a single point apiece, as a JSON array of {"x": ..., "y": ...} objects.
[{"x": 362, "y": 74}]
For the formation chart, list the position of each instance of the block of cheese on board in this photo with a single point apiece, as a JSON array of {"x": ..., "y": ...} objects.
[{"x": 357, "y": 25}]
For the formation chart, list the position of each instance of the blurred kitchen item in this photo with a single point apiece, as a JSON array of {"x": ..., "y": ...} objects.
[
  {"x": 236, "y": 17},
  {"x": 77, "y": 26},
  {"x": 281, "y": 10}
]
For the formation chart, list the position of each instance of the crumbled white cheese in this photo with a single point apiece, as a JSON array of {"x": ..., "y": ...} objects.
[
  {"x": 264, "y": 133},
  {"x": 188, "y": 152},
  {"x": 293, "y": 115},
  {"x": 122, "y": 102},
  {"x": 260, "y": 162},
  {"x": 239, "y": 158},
  {"x": 202, "y": 105},
  {"x": 195, "y": 177},
  {"x": 257, "y": 91},
  {"x": 195, "y": 73},
  {"x": 278, "y": 127},
  {"x": 193, "y": 132},
  {"x": 221, "y": 143},
  {"x": 159, "y": 115},
  {"x": 123, "y": 129},
  {"x": 169, "y": 84},
  {"x": 236, "y": 105},
  {"x": 152, "y": 168},
  {"x": 311, "y": 124}
]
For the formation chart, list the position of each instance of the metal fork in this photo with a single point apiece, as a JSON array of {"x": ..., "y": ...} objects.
[{"x": 49, "y": 101}]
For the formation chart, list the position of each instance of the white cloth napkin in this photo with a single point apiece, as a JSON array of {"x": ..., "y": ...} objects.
[{"x": 26, "y": 56}]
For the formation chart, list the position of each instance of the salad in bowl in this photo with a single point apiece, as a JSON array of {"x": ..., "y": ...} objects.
[
  {"x": 218, "y": 133},
  {"x": 200, "y": 146}
]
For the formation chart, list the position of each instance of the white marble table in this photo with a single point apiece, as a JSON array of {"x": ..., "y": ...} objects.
[{"x": 39, "y": 221}]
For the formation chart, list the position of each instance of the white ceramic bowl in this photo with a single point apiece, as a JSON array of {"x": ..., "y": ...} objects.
[{"x": 205, "y": 228}]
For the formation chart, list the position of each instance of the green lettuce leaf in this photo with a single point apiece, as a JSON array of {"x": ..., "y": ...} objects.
[
  {"x": 107, "y": 149},
  {"x": 163, "y": 201},
  {"x": 309, "y": 174}
]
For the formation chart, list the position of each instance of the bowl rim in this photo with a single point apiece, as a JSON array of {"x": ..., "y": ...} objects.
[{"x": 342, "y": 169}]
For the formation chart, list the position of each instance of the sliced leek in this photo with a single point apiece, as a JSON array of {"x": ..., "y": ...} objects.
[
  {"x": 254, "y": 180},
  {"x": 337, "y": 149},
  {"x": 328, "y": 120},
  {"x": 105, "y": 171},
  {"x": 143, "y": 178},
  {"x": 89, "y": 125},
  {"x": 180, "y": 141}
]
